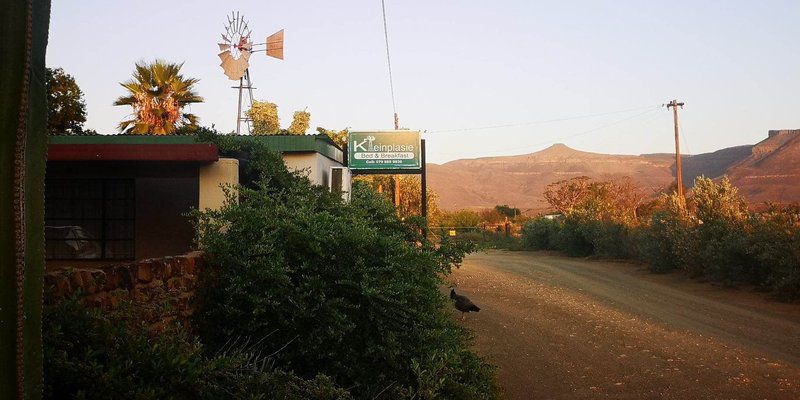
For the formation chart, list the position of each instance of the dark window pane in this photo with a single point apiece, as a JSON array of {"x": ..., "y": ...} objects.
[{"x": 89, "y": 218}]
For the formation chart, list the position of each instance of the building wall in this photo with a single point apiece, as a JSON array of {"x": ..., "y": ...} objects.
[
  {"x": 164, "y": 193},
  {"x": 162, "y": 228},
  {"x": 213, "y": 178},
  {"x": 165, "y": 284},
  {"x": 316, "y": 166}
]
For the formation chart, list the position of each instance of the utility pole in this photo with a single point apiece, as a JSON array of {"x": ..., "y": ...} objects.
[
  {"x": 396, "y": 177},
  {"x": 678, "y": 174}
]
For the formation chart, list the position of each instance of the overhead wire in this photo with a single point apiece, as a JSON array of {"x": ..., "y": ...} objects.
[
  {"x": 388, "y": 58},
  {"x": 582, "y": 133},
  {"x": 545, "y": 121}
]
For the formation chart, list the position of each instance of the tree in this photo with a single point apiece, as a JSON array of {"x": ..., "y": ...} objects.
[
  {"x": 265, "y": 118},
  {"x": 565, "y": 195},
  {"x": 300, "y": 122},
  {"x": 266, "y": 121},
  {"x": 718, "y": 202},
  {"x": 411, "y": 200},
  {"x": 158, "y": 93},
  {"x": 66, "y": 107},
  {"x": 338, "y": 137},
  {"x": 507, "y": 211},
  {"x": 601, "y": 200}
]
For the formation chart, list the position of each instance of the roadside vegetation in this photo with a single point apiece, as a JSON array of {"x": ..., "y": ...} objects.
[
  {"x": 711, "y": 234},
  {"x": 114, "y": 355},
  {"x": 303, "y": 296},
  {"x": 490, "y": 228},
  {"x": 347, "y": 290}
]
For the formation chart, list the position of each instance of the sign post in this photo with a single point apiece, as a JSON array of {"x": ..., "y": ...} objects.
[{"x": 389, "y": 153}]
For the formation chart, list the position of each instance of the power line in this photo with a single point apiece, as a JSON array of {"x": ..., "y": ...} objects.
[
  {"x": 586, "y": 132},
  {"x": 388, "y": 59},
  {"x": 582, "y": 133},
  {"x": 546, "y": 121}
]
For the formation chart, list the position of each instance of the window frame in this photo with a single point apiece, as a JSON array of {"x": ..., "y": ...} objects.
[{"x": 103, "y": 220}]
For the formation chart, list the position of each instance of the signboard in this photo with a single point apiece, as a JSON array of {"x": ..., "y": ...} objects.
[{"x": 384, "y": 150}]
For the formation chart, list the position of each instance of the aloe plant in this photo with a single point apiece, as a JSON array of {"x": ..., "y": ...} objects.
[{"x": 23, "y": 125}]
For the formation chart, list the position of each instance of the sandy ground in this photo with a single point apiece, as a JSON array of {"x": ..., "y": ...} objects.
[{"x": 566, "y": 328}]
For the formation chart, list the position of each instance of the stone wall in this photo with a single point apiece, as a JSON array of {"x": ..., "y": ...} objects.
[{"x": 162, "y": 286}]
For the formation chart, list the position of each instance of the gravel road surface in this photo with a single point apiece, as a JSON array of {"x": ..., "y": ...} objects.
[{"x": 567, "y": 328}]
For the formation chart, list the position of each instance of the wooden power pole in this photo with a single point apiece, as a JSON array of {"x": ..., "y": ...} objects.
[
  {"x": 678, "y": 173},
  {"x": 396, "y": 177}
]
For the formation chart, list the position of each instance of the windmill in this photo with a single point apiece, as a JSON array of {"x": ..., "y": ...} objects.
[{"x": 235, "y": 51}]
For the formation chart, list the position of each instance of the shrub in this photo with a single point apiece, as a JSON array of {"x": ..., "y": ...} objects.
[
  {"x": 345, "y": 290},
  {"x": 669, "y": 241},
  {"x": 89, "y": 355},
  {"x": 775, "y": 243},
  {"x": 573, "y": 238},
  {"x": 540, "y": 233},
  {"x": 610, "y": 239},
  {"x": 722, "y": 233}
]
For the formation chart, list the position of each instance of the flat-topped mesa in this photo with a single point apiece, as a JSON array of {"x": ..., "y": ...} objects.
[
  {"x": 784, "y": 132},
  {"x": 776, "y": 139}
]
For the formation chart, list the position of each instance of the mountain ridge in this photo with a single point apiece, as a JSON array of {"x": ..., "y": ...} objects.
[{"x": 766, "y": 171}]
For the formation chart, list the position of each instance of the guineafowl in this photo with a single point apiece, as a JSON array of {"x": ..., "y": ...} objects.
[{"x": 462, "y": 303}]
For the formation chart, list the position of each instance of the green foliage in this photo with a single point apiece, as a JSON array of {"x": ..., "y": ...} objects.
[
  {"x": 112, "y": 356},
  {"x": 713, "y": 235},
  {"x": 256, "y": 159},
  {"x": 541, "y": 233},
  {"x": 573, "y": 239},
  {"x": 338, "y": 137},
  {"x": 460, "y": 218},
  {"x": 345, "y": 290},
  {"x": 507, "y": 211},
  {"x": 300, "y": 123},
  {"x": 775, "y": 242},
  {"x": 265, "y": 118},
  {"x": 65, "y": 104},
  {"x": 158, "y": 93},
  {"x": 410, "y": 195},
  {"x": 670, "y": 241}
]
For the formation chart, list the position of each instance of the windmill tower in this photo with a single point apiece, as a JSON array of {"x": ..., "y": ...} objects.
[{"x": 235, "y": 51}]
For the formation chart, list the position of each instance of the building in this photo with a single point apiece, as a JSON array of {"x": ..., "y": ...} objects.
[{"x": 124, "y": 197}]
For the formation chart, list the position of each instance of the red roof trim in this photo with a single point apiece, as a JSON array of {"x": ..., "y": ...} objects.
[{"x": 133, "y": 152}]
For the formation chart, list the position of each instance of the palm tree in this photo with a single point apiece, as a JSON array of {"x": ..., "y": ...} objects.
[{"x": 158, "y": 93}]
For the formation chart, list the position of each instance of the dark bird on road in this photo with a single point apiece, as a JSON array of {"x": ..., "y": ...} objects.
[{"x": 463, "y": 303}]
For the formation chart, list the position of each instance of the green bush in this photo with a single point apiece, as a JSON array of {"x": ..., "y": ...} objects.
[
  {"x": 714, "y": 235},
  {"x": 670, "y": 241},
  {"x": 541, "y": 233},
  {"x": 609, "y": 239},
  {"x": 345, "y": 290},
  {"x": 775, "y": 242},
  {"x": 573, "y": 238},
  {"x": 89, "y": 355}
]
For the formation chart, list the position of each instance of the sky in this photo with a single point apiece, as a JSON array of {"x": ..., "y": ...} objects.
[{"x": 478, "y": 78}]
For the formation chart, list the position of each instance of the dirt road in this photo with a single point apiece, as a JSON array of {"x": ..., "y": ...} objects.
[{"x": 565, "y": 328}]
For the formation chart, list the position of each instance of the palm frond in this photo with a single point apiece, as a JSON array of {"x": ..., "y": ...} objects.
[{"x": 158, "y": 92}]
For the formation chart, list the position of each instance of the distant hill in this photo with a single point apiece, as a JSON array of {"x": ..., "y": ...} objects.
[{"x": 769, "y": 170}]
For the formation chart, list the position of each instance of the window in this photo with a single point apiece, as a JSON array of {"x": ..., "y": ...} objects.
[{"x": 89, "y": 218}]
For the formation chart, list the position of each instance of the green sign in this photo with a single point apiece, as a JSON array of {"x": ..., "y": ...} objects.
[{"x": 384, "y": 150}]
